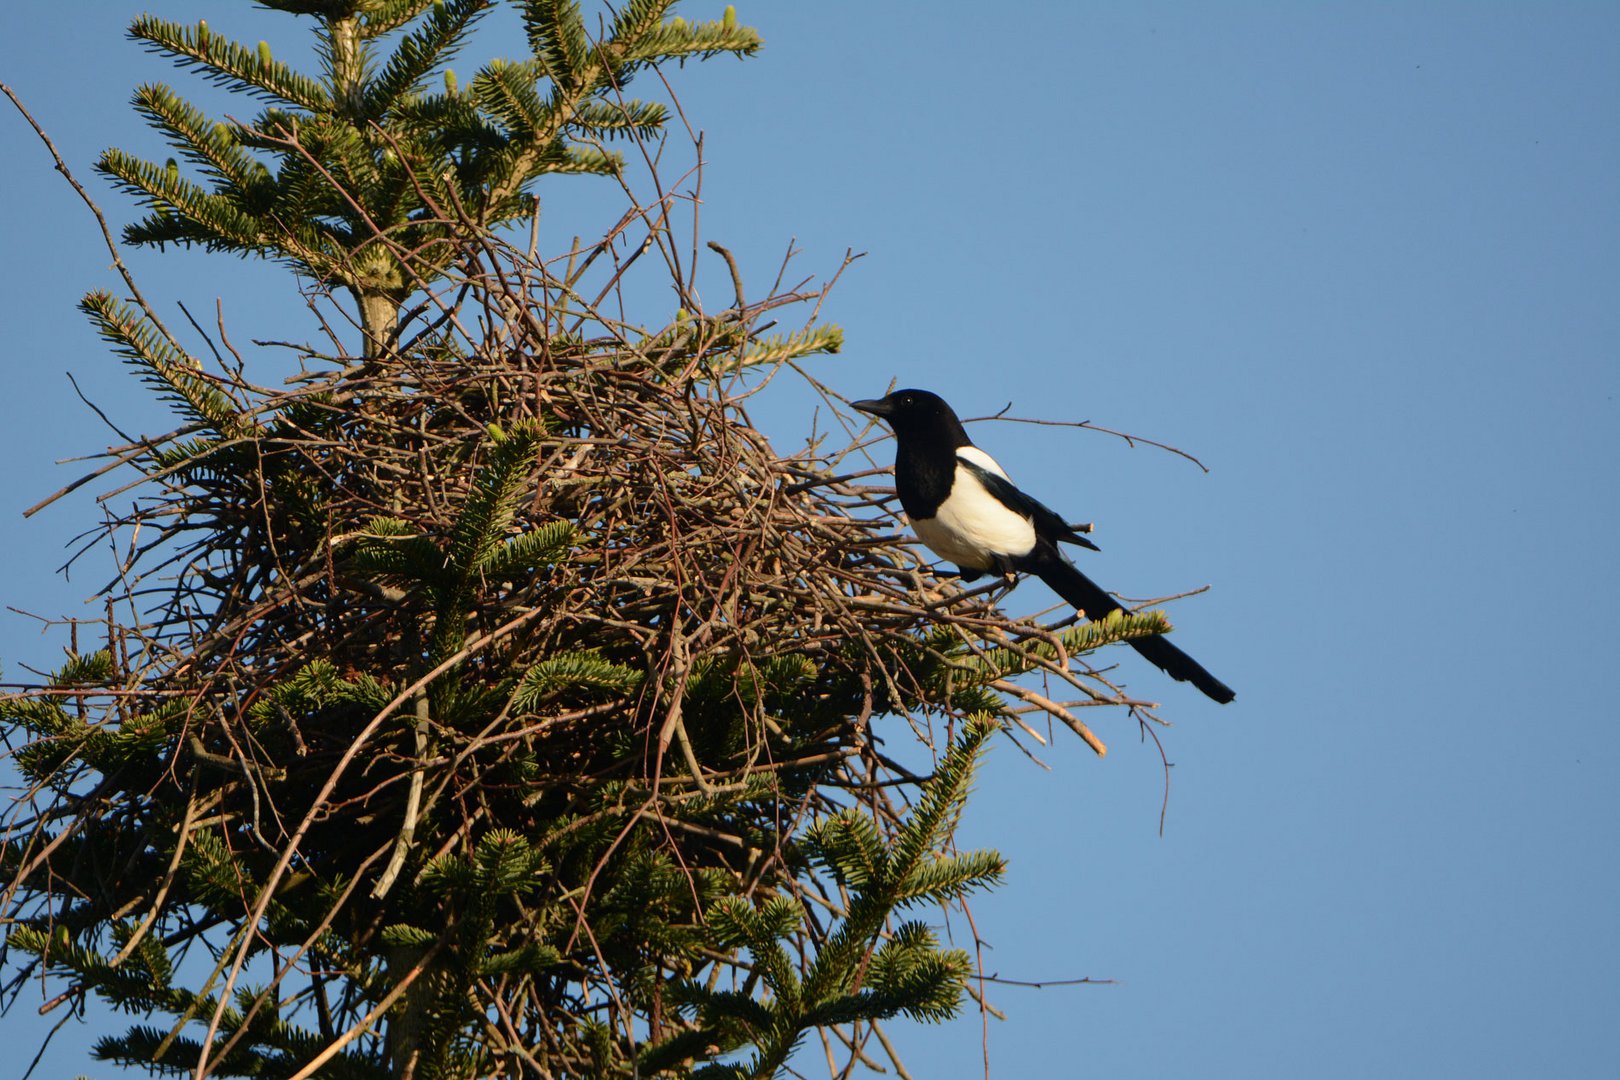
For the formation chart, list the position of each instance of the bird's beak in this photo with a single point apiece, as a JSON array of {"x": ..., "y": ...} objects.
[{"x": 874, "y": 406}]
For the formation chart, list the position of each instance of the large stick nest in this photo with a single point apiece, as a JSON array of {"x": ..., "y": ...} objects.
[{"x": 341, "y": 672}]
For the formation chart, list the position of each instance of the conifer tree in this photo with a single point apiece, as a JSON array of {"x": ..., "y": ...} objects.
[
  {"x": 495, "y": 700},
  {"x": 353, "y": 165}
]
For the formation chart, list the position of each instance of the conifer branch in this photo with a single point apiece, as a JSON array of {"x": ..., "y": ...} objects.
[
  {"x": 422, "y": 51},
  {"x": 203, "y": 141},
  {"x": 381, "y": 16},
  {"x": 229, "y": 64},
  {"x": 625, "y": 119},
  {"x": 506, "y": 91},
  {"x": 172, "y": 374}
]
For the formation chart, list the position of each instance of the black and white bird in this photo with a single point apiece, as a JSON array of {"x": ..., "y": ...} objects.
[{"x": 963, "y": 506}]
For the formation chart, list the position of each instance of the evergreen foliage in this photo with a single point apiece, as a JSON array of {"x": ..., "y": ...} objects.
[
  {"x": 366, "y": 160},
  {"x": 495, "y": 701}
]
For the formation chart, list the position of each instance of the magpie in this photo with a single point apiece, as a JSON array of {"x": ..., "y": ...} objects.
[{"x": 964, "y": 507}]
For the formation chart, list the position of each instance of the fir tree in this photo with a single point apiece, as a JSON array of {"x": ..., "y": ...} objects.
[
  {"x": 498, "y": 701},
  {"x": 350, "y": 176}
]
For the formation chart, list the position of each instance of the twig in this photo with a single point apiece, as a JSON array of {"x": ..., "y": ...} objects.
[
  {"x": 360, "y": 1028},
  {"x": 413, "y": 805},
  {"x": 1130, "y": 440},
  {"x": 106, "y": 233}
]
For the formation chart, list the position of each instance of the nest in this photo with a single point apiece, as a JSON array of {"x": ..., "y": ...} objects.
[{"x": 525, "y": 572}]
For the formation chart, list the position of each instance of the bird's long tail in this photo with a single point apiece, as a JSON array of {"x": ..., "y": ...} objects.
[{"x": 1067, "y": 581}]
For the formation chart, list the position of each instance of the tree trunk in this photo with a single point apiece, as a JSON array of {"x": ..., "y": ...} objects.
[{"x": 379, "y": 321}]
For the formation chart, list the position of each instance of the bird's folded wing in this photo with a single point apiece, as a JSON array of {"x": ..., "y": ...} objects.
[{"x": 1047, "y": 522}]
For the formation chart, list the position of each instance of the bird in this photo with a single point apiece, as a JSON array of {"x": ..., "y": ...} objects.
[{"x": 966, "y": 509}]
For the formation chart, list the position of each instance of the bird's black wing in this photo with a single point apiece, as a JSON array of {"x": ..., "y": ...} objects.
[{"x": 1047, "y": 522}]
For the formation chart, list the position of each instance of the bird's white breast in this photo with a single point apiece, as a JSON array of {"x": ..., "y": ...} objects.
[{"x": 972, "y": 526}]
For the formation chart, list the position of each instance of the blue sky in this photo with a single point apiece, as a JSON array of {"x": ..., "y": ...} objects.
[{"x": 1363, "y": 259}]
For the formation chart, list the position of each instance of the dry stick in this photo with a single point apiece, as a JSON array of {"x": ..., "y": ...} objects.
[
  {"x": 696, "y": 138},
  {"x": 106, "y": 233},
  {"x": 45, "y": 690},
  {"x": 246, "y": 1026},
  {"x": 1164, "y": 806},
  {"x": 736, "y": 274},
  {"x": 534, "y": 232},
  {"x": 894, "y": 1055},
  {"x": 71, "y": 1014},
  {"x": 413, "y": 805},
  {"x": 1052, "y": 708},
  {"x": 267, "y": 891},
  {"x": 673, "y": 725},
  {"x": 197, "y": 999},
  {"x": 365, "y": 1022},
  {"x": 978, "y": 964},
  {"x": 857, "y": 1048},
  {"x": 690, "y": 286},
  {"x": 654, "y": 230},
  {"x": 1130, "y": 439},
  {"x": 168, "y": 878},
  {"x": 40, "y": 858},
  {"x": 105, "y": 419},
  {"x": 1044, "y": 983},
  {"x": 580, "y": 923},
  {"x": 225, "y": 339},
  {"x": 516, "y": 1037},
  {"x": 672, "y": 259},
  {"x": 827, "y": 1048},
  {"x": 124, "y": 455}
]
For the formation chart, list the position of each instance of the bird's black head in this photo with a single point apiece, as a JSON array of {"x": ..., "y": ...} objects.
[{"x": 918, "y": 414}]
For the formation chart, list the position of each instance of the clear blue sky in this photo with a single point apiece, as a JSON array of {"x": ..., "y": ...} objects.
[{"x": 1362, "y": 258}]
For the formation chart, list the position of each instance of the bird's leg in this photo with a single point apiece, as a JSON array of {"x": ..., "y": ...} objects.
[
  {"x": 1008, "y": 574},
  {"x": 1009, "y": 578},
  {"x": 1004, "y": 579}
]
